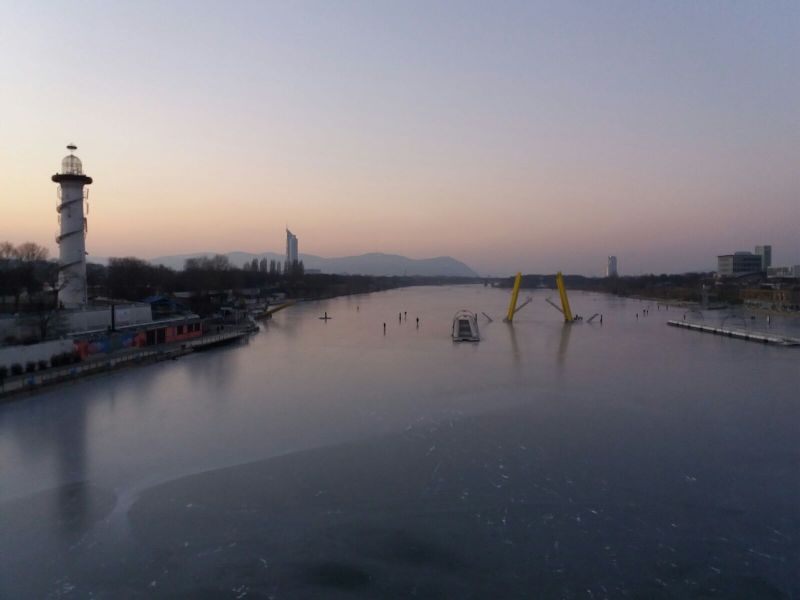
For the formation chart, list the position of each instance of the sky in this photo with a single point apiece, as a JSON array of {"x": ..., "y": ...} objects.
[{"x": 510, "y": 135}]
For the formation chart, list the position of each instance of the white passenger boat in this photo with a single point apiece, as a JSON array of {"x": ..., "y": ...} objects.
[{"x": 465, "y": 327}]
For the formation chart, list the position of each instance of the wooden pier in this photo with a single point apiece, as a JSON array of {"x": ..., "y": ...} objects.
[
  {"x": 271, "y": 310},
  {"x": 750, "y": 336}
]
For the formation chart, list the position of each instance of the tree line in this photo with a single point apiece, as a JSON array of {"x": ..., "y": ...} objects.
[
  {"x": 133, "y": 278},
  {"x": 685, "y": 286},
  {"x": 26, "y": 273},
  {"x": 29, "y": 282}
]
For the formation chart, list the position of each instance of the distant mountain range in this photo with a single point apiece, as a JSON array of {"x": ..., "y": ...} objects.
[{"x": 374, "y": 263}]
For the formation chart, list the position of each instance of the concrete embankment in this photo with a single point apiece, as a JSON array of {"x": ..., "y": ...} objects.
[{"x": 29, "y": 382}]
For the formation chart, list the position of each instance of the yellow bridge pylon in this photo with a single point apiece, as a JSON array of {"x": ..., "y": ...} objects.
[
  {"x": 562, "y": 291},
  {"x": 512, "y": 307}
]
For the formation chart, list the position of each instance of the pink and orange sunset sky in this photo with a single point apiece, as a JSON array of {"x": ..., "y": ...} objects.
[{"x": 510, "y": 135}]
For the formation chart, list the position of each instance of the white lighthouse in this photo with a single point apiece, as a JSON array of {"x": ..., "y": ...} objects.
[{"x": 72, "y": 238}]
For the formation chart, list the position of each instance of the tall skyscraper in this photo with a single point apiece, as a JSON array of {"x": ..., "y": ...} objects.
[
  {"x": 291, "y": 248},
  {"x": 765, "y": 252},
  {"x": 611, "y": 267}
]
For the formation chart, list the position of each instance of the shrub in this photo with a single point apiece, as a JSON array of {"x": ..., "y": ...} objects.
[
  {"x": 16, "y": 369},
  {"x": 30, "y": 366},
  {"x": 42, "y": 365}
]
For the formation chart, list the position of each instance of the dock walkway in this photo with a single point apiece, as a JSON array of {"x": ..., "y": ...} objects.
[{"x": 751, "y": 336}]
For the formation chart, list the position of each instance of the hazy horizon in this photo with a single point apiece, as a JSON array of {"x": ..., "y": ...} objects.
[
  {"x": 481, "y": 273},
  {"x": 513, "y": 137}
]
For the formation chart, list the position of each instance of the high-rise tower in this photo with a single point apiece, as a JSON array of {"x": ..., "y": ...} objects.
[
  {"x": 72, "y": 238},
  {"x": 291, "y": 248},
  {"x": 765, "y": 252},
  {"x": 611, "y": 267}
]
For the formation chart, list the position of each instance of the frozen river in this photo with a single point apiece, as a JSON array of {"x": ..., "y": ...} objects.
[{"x": 326, "y": 459}]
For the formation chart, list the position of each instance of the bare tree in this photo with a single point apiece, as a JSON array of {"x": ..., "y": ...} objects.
[
  {"x": 31, "y": 252},
  {"x": 220, "y": 262},
  {"x": 48, "y": 322},
  {"x": 191, "y": 264},
  {"x": 7, "y": 250},
  {"x": 24, "y": 272},
  {"x": 54, "y": 281}
]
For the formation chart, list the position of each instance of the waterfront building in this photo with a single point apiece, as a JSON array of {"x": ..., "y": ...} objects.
[
  {"x": 792, "y": 272},
  {"x": 778, "y": 298},
  {"x": 292, "y": 256},
  {"x": 765, "y": 252},
  {"x": 72, "y": 237},
  {"x": 164, "y": 331},
  {"x": 738, "y": 263},
  {"x": 611, "y": 267}
]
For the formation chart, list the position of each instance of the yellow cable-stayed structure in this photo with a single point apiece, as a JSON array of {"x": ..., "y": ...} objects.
[
  {"x": 512, "y": 307},
  {"x": 562, "y": 291}
]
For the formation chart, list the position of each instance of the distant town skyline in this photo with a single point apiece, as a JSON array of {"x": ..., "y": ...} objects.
[{"x": 517, "y": 137}]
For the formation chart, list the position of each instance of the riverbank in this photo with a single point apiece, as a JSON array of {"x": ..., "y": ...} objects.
[{"x": 17, "y": 386}]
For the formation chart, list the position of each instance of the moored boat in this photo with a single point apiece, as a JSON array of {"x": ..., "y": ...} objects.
[{"x": 465, "y": 327}]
